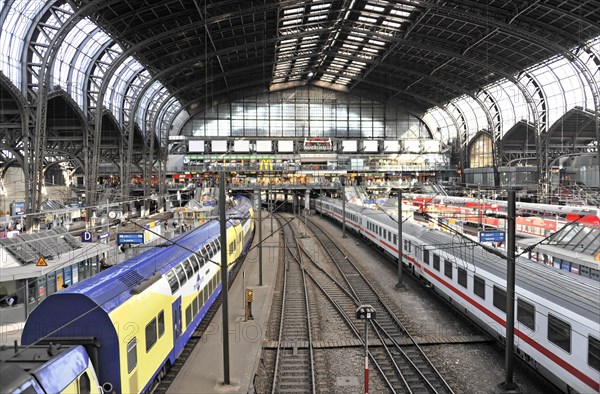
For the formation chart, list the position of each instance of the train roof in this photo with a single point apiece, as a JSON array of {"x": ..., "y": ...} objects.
[
  {"x": 110, "y": 288},
  {"x": 44, "y": 362},
  {"x": 574, "y": 292}
]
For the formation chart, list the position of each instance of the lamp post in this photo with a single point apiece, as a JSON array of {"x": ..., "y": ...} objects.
[{"x": 366, "y": 312}]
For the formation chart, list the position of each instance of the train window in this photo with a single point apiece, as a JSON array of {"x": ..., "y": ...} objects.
[
  {"x": 559, "y": 333},
  {"x": 172, "y": 279},
  {"x": 594, "y": 353},
  {"x": 500, "y": 298},
  {"x": 409, "y": 247},
  {"x": 448, "y": 268},
  {"x": 526, "y": 313},
  {"x": 188, "y": 268},
  {"x": 426, "y": 256},
  {"x": 479, "y": 286},
  {"x": 195, "y": 306},
  {"x": 150, "y": 334},
  {"x": 180, "y": 274},
  {"x": 161, "y": 323},
  {"x": 85, "y": 385},
  {"x": 131, "y": 355},
  {"x": 194, "y": 262},
  {"x": 395, "y": 239},
  {"x": 462, "y": 277},
  {"x": 188, "y": 316},
  {"x": 436, "y": 261}
]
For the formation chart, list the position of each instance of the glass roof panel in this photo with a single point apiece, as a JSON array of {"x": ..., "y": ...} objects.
[
  {"x": 12, "y": 37},
  {"x": 75, "y": 56}
]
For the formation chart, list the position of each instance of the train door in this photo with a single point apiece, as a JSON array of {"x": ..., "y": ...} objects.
[{"x": 176, "y": 324}]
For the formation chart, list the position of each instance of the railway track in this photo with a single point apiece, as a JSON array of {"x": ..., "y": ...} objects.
[
  {"x": 405, "y": 368},
  {"x": 294, "y": 369},
  {"x": 170, "y": 374}
]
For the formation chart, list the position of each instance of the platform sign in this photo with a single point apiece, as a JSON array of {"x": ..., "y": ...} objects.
[
  {"x": 492, "y": 236},
  {"x": 130, "y": 238},
  {"x": 103, "y": 238},
  {"x": 86, "y": 236}
]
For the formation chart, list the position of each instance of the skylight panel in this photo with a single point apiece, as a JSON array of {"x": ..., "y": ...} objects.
[
  {"x": 371, "y": 50},
  {"x": 316, "y": 18},
  {"x": 354, "y": 38},
  {"x": 373, "y": 8},
  {"x": 349, "y": 46},
  {"x": 367, "y": 19},
  {"x": 317, "y": 7},
  {"x": 395, "y": 25},
  {"x": 292, "y": 22},
  {"x": 376, "y": 42},
  {"x": 401, "y": 13},
  {"x": 309, "y": 38},
  {"x": 293, "y": 11}
]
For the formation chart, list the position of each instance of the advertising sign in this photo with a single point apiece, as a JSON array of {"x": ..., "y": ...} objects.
[
  {"x": 318, "y": 144},
  {"x": 18, "y": 208}
]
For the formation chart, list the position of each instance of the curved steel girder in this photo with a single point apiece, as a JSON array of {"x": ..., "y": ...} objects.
[
  {"x": 507, "y": 28},
  {"x": 19, "y": 98},
  {"x": 533, "y": 22},
  {"x": 232, "y": 49},
  {"x": 211, "y": 9},
  {"x": 53, "y": 152},
  {"x": 464, "y": 88},
  {"x": 60, "y": 93},
  {"x": 88, "y": 38},
  {"x": 423, "y": 43},
  {"x": 18, "y": 157},
  {"x": 156, "y": 38}
]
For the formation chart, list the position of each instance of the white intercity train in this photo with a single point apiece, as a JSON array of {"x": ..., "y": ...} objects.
[{"x": 557, "y": 319}]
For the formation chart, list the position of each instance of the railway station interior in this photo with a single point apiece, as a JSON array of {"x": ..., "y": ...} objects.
[{"x": 119, "y": 119}]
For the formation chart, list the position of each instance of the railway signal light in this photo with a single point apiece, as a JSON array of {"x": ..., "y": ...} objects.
[{"x": 366, "y": 312}]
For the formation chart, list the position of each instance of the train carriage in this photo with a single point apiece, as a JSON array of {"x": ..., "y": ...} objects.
[
  {"x": 557, "y": 324},
  {"x": 141, "y": 313}
]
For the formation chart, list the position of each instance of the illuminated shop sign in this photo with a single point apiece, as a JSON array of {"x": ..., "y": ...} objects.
[{"x": 318, "y": 144}]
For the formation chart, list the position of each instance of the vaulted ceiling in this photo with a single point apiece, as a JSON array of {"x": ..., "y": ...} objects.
[{"x": 418, "y": 53}]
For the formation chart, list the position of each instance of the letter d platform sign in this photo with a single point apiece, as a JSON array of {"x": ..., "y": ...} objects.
[{"x": 86, "y": 236}]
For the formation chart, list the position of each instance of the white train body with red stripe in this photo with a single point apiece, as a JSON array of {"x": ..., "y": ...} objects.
[{"x": 557, "y": 314}]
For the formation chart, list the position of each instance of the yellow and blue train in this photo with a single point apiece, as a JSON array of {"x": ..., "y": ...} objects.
[{"x": 129, "y": 323}]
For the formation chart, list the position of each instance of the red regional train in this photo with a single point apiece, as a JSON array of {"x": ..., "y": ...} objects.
[{"x": 532, "y": 219}]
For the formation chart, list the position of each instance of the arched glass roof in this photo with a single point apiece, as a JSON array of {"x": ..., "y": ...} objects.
[
  {"x": 75, "y": 58},
  {"x": 15, "y": 28},
  {"x": 562, "y": 85},
  {"x": 81, "y": 61}
]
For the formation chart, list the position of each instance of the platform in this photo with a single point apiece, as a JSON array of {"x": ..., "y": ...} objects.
[{"x": 203, "y": 371}]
